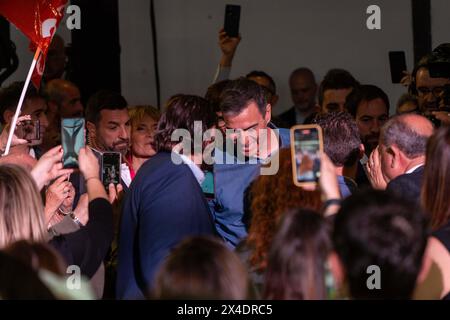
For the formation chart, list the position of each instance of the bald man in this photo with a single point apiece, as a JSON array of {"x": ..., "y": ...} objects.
[
  {"x": 303, "y": 86},
  {"x": 397, "y": 164}
]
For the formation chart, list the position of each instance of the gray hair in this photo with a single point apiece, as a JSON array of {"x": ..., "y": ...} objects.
[{"x": 397, "y": 132}]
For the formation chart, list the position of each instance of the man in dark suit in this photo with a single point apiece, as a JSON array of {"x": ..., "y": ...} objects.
[
  {"x": 303, "y": 88},
  {"x": 397, "y": 164},
  {"x": 165, "y": 203}
]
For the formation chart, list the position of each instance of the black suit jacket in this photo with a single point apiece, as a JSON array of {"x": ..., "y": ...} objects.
[
  {"x": 164, "y": 205},
  {"x": 408, "y": 186}
]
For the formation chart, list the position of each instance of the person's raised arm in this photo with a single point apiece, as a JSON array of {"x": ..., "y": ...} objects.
[{"x": 228, "y": 48}]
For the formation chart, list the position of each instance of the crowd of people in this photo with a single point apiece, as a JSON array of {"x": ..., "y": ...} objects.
[{"x": 194, "y": 215}]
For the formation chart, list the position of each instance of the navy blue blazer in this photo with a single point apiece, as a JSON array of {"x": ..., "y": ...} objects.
[
  {"x": 164, "y": 205},
  {"x": 408, "y": 186}
]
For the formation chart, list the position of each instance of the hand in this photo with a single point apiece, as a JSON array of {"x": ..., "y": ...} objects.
[
  {"x": 374, "y": 171},
  {"x": 228, "y": 47},
  {"x": 67, "y": 204},
  {"x": 328, "y": 181},
  {"x": 82, "y": 209},
  {"x": 407, "y": 79},
  {"x": 115, "y": 193},
  {"x": 15, "y": 140},
  {"x": 56, "y": 193},
  {"x": 49, "y": 167},
  {"x": 88, "y": 163},
  {"x": 443, "y": 116}
]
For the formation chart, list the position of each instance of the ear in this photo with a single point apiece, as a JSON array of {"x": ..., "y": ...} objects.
[
  {"x": 268, "y": 115},
  {"x": 336, "y": 268},
  {"x": 8, "y": 116},
  {"x": 394, "y": 151},
  {"x": 92, "y": 130}
]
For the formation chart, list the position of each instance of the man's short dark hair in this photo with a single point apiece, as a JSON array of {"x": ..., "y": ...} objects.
[
  {"x": 180, "y": 113},
  {"x": 104, "y": 100},
  {"x": 239, "y": 93},
  {"x": 341, "y": 138},
  {"x": 9, "y": 97},
  {"x": 213, "y": 93},
  {"x": 376, "y": 228},
  {"x": 366, "y": 92},
  {"x": 336, "y": 79},
  {"x": 255, "y": 73},
  {"x": 396, "y": 132}
]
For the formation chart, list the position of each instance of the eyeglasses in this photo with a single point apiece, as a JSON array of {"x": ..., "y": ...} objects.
[{"x": 437, "y": 91}]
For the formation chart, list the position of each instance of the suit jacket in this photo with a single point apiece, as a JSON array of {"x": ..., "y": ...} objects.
[
  {"x": 288, "y": 119},
  {"x": 408, "y": 186},
  {"x": 164, "y": 205}
]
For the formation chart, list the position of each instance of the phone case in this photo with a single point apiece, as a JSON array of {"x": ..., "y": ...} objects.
[
  {"x": 232, "y": 17},
  {"x": 72, "y": 140},
  {"x": 111, "y": 162},
  {"x": 293, "y": 152}
]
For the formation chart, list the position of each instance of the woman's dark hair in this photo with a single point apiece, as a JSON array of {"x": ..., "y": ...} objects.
[
  {"x": 38, "y": 256},
  {"x": 436, "y": 181},
  {"x": 202, "y": 268},
  {"x": 296, "y": 268},
  {"x": 18, "y": 281},
  {"x": 181, "y": 113}
]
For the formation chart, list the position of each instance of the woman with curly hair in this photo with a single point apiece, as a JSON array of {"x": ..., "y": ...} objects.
[{"x": 271, "y": 196}]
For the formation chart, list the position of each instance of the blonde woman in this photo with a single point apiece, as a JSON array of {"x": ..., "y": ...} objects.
[{"x": 144, "y": 120}]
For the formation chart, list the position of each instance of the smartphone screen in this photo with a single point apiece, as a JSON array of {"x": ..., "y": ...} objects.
[
  {"x": 306, "y": 148},
  {"x": 28, "y": 130},
  {"x": 232, "y": 17},
  {"x": 208, "y": 185},
  {"x": 111, "y": 168},
  {"x": 72, "y": 140},
  {"x": 397, "y": 62}
]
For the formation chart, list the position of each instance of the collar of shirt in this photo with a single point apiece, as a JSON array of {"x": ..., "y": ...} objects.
[
  {"x": 198, "y": 174},
  {"x": 413, "y": 169},
  {"x": 125, "y": 174}
]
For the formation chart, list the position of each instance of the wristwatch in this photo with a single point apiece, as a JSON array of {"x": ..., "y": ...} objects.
[{"x": 75, "y": 219}]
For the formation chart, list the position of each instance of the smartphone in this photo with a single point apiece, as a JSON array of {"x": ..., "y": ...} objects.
[
  {"x": 208, "y": 185},
  {"x": 397, "y": 62},
  {"x": 306, "y": 148},
  {"x": 72, "y": 140},
  {"x": 29, "y": 130},
  {"x": 232, "y": 17},
  {"x": 111, "y": 162}
]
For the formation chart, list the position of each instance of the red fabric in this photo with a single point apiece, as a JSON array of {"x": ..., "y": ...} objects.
[
  {"x": 38, "y": 20},
  {"x": 129, "y": 161}
]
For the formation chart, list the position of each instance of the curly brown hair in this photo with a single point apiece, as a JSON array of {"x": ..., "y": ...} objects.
[{"x": 272, "y": 195}]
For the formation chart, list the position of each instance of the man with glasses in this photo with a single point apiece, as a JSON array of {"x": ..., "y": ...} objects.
[{"x": 430, "y": 82}]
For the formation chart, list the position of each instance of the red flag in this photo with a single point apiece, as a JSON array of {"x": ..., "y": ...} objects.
[{"x": 38, "y": 20}]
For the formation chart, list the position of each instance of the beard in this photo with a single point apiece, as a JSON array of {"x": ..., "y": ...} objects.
[{"x": 370, "y": 142}]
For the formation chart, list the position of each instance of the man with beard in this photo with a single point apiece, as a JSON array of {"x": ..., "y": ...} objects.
[
  {"x": 303, "y": 88},
  {"x": 369, "y": 105}
]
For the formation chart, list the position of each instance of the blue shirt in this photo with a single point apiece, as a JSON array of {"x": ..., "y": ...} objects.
[{"x": 231, "y": 182}]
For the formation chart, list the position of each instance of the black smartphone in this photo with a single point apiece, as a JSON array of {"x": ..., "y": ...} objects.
[
  {"x": 306, "y": 149},
  {"x": 397, "y": 62},
  {"x": 28, "y": 130},
  {"x": 208, "y": 185},
  {"x": 111, "y": 162},
  {"x": 72, "y": 140},
  {"x": 232, "y": 18}
]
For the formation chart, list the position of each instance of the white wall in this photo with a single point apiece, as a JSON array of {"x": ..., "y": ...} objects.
[{"x": 278, "y": 36}]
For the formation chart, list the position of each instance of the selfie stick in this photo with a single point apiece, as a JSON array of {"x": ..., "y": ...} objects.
[{"x": 22, "y": 96}]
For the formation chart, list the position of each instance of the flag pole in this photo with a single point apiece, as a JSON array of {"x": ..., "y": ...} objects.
[{"x": 22, "y": 97}]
